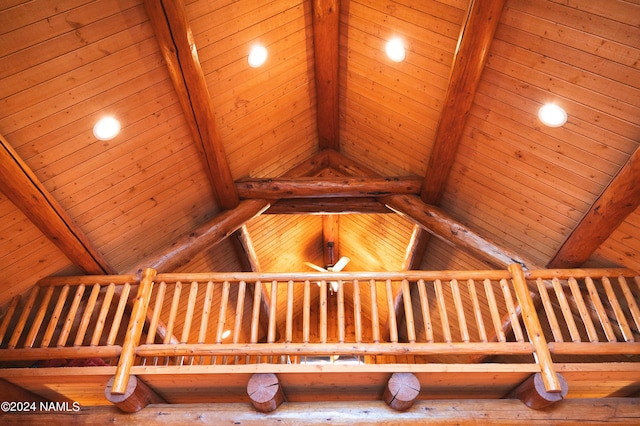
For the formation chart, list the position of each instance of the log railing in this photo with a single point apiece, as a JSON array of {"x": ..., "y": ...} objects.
[{"x": 215, "y": 318}]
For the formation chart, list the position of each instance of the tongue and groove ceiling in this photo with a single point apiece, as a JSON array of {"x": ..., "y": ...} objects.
[{"x": 464, "y": 122}]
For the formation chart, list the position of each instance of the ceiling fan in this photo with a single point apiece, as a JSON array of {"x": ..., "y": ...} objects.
[{"x": 336, "y": 267}]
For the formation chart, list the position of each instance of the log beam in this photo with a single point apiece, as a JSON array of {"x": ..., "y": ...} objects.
[
  {"x": 533, "y": 394},
  {"x": 338, "y": 205},
  {"x": 24, "y": 189},
  {"x": 265, "y": 392},
  {"x": 401, "y": 391},
  {"x": 326, "y": 34},
  {"x": 203, "y": 237},
  {"x": 136, "y": 397},
  {"x": 252, "y": 188},
  {"x": 173, "y": 32},
  {"x": 616, "y": 202},
  {"x": 473, "y": 48}
]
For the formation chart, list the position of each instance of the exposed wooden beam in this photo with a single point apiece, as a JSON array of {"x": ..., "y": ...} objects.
[
  {"x": 338, "y": 205},
  {"x": 415, "y": 249},
  {"x": 326, "y": 25},
  {"x": 249, "y": 258},
  {"x": 616, "y": 202},
  {"x": 24, "y": 189},
  {"x": 202, "y": 238},
  {"x": 330, "y": 239},
  {"x": 443, "y": 226},
  {"x": 174, "y": 35},
  {"x": 327, "y": 187},
  {"x": 435, "y": 412},
  {"x": 473, "y": 47}
]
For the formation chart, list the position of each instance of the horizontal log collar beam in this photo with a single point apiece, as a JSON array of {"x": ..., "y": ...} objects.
[{"x": 279, "y": 188}]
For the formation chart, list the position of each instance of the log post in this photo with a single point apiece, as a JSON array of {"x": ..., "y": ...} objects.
[
  {"x": 265, "y": 392},
  {"x": 533, "y": 394},
  {"x": 136, "y": 396},
  {"x": 401, "y": 391}
]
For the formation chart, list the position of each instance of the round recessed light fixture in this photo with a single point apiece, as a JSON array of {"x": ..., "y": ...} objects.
[
  {"x": 257, "y": 56},
  {"x": 395, "y": 50},
  {"x": 106, "y": 128},
  {"x": 552, "y": 115}
]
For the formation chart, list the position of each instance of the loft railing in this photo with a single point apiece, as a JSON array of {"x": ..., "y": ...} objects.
[{"x": 183, "y": 319}]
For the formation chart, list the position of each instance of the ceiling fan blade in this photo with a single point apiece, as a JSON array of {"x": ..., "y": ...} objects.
[
  {"x": 341, "y": 263},
  {"x": 314, "y": 266}
]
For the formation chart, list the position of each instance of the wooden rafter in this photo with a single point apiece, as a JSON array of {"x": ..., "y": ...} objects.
[
  {"x": 173, "y": 32},
  {"x": 616, "y": 202},
  {"x": 338, "y": 205},
  {"x": 473, "y": 47},
  {"x": 326, "y": 24},
  {"x": 23, "y": 188}
]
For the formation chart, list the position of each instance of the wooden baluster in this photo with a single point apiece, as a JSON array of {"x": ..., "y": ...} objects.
[
  {"x": 633, "y": 306},
  {"x": 22, "y": 320},
  {"x": 457, "y": 302},
  {"x": 341, "y": 319},
  {"x": 566, "y": 310},
  {"x": 617, "y": 310},
  {"x": 134, "y": 331},
  {"x": 255, "y": 317},
  {"x": 86, "y": 317},
  {"x": 175, "y": 303},
  {"x": 391, "y": 312},
  {"x": 493, "y": 308},
  {"x": 442, "y": 307},
  {"x": 117, "y": 318},
  {"x": 155, "y": 318},
  {"x": 306, "y": 312},
  {"x": 271, "y": 335},
  {"x": 37, "y": 321},
  {"x": 237, "y": 326},
  {"x": 426, "y": 316},
  {"x": 471, "y": 284},
  {"x": 408, "y": 312},
  {"x": 222, "y": 316},
  {"x": 357, "y": 311},
  {"x": 375, "y": 319},
  {"x": 600, "y": 310},
  {"x": 188, "y": 317},
  {"x": 102, "y": 316},
  {"x": 8, "y": 316},
  {"x": 68, "y": 323},
  {"x": 511, "y": 308},
  {"x": 323, "y": 312},
  {"x": 582, "y": 309},
  {"x": 548, "y": 308},
  {"x": 289, "y": 321},
  {"x": 534, "y": 330},
  {"x": 206, "y": 312}
]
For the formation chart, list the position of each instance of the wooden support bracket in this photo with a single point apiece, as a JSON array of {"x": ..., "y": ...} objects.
[
  {"x": 533, "y": 393},
  {"x": 401, "y": 391},
  {"x": 265, "y": 392},
  {"x": 136, "y": 396}
]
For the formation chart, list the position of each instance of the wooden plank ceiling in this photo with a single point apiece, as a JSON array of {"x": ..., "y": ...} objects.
[{"x": 458, "y": 115}]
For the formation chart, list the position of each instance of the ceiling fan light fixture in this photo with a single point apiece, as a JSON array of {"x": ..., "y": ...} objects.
[
  {"x": 395, "y": 49},
  {"x": 257, "y": 56},
  {"x": 106, "y": 128},
  {"x": 552, "y": 115}
]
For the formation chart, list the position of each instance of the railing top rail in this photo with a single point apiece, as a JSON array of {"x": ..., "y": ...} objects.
[
  {"x": 579, "y": 273},
  {"x": 88, "y": 280}
]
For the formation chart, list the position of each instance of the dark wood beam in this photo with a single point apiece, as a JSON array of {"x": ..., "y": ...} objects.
[
  {"x": 326, "y": 35},
  {"x": 616, "y": 202},
  {"x": 473, "y": 47},
  {"x": 24, "y": 189},
  {"x": 338, "y": 205},
  {"x": 174, "y": 35},
  {"x": 327, "y": 187},
  {"x": 202, "y": 238},
  {"x": 443, "y": 226}
]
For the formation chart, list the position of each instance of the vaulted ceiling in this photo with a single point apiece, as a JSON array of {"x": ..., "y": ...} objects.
[{"x": 454, "y": 125}]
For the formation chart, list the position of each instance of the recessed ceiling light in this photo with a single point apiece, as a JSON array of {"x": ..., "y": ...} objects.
[
  {"x": 106, "y": 128},
  {"x": 395, "y": 50},
  {"x": 257, "y": 56},
  {"x": 552, "y": 115}
]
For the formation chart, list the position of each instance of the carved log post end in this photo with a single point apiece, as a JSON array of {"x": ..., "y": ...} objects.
[
  {"x": 534, "y": 395},
  {"x": 401, "y": 391},
  {"x": 136, "y": 397},
  {"x": 265, "y": 392}
]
